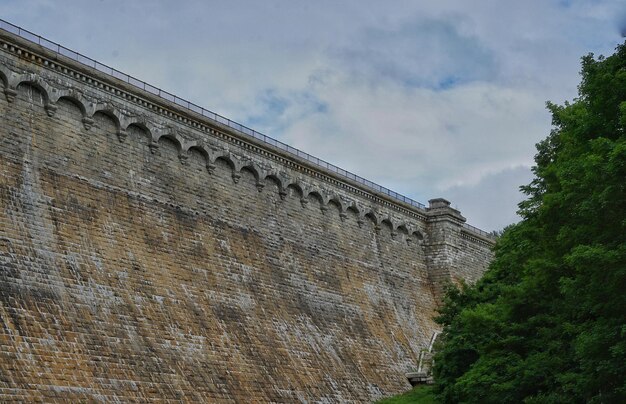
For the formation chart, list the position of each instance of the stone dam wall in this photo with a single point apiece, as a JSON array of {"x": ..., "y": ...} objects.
[{"x": 150, "y": 254}]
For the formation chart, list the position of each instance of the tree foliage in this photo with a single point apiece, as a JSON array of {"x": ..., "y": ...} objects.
[{"x": 547, "y": 323}]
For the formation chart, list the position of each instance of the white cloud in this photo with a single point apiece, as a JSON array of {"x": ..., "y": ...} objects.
[
  {"x": 492, "y": 202},
  {"x": 418, "y": 53},
  {"x": 423, "y": 141}
]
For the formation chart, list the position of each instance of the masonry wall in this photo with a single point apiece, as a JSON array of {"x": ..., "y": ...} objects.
[{"x": 147, "y": 254}]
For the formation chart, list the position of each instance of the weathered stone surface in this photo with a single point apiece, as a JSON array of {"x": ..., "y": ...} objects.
[{"x": 147, "y": 253}]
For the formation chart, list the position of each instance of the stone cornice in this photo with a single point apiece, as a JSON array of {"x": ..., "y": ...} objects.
[{"x": 60, "y": 64}]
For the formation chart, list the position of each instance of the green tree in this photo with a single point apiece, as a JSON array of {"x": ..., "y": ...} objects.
[{"x": 547, "y": 323}]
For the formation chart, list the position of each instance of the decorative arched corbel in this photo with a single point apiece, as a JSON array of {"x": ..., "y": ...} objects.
[
  {"x": 51, "y": 108},
  {"x": 337, "y": 201},
  {"x": 10, "y": 94},
  {"x": 210, "y": 167},
  {"x": 402, "y": 229},
  {"x": 280, "y": 180},
  {"x": 418, "y": 235},
  {"x": 352, "y": 206},
  {"x": 88, "y": 122},
  {"x": 121, "y": 135},
  {"x": 33, "y": 80},
  {"x": 388, "y": 222},
  {"x": 229, "y": 158},
  {"x": 319, "y": 195},
  {"x": 373, "y": 216},
  {"x": 212, "y": 155},
  {"x": 301, "y": 188},
  {"x": 154, "y": 142},
  {"x": 5, "y": 77},
  {"x": 257, "y": 172},
  {"x": 125, "y": 122}
]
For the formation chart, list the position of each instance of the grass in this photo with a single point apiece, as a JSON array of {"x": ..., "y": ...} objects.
[{"x": 419, "y": 394}]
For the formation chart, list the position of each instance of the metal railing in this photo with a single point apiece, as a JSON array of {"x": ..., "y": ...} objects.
[
  {"x": 55, "y": 47},
  {"x": 479, "y": 231}
]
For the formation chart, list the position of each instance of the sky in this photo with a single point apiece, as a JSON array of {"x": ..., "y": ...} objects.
[{"x": 430, "y": 99}]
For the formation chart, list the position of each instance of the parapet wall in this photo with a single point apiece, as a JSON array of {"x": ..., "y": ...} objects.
[{"x": 150, "y": 253}]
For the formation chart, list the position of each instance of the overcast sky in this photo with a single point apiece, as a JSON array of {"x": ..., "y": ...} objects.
[{"x": 430, "y": 99}]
